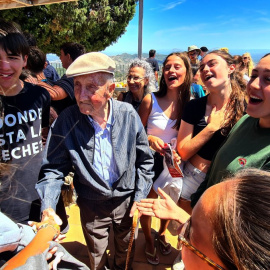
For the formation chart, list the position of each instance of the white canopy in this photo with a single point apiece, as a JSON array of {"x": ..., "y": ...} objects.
[{"x": 9, "y": 4}]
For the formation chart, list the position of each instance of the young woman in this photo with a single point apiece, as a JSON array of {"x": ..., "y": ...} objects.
[
  {"x": 229, "y": 227},
  {"x": 248, "y": 64},
  {"x": 207, "y": 121},
  {"x": 161, "y": 113},
  {"x": 248, "y": 144},
  {"x": 140, "y": 80}
]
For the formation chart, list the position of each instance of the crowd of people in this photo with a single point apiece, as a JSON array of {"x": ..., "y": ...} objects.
[{"x": 211, "y": 107}]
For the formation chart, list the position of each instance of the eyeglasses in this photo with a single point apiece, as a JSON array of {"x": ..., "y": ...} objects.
[
  {"x": 182, "y": 237},
  {"x": 135, "y": 79},
  {"x": 245, "y": 57},
  {"x": 192, "y": 53}
]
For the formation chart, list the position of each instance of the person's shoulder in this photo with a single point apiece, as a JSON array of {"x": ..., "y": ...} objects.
[
  {"x": 71, "y": 111},
  {"x": 147, "y": 100},
  {"x": 30, "y": 88},
  {"x": 64, "y": 79},
  {"x": 244, "y": 122},
  {"x": 69, "y": 116},
  {"x": 197, "y": 102},
  {"x": 194, "y": 109},
  {"x": 246, "y": 118},
  {"x": 123, "y": 106}
]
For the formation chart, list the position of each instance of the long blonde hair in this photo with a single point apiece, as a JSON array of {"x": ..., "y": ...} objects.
[{"x": 250, "y": 64}]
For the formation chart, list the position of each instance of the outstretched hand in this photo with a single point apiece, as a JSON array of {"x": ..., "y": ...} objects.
[
  {"x": 48, "y": 217},
  {"x": 164, "y": 208},
  {"x": 49, "y": 214}
]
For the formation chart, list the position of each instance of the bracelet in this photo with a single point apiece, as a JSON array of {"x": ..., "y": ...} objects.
[{"x": 54, "y": 226}]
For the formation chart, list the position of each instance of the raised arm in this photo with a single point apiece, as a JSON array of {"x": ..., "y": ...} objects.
[
  {"x": 47, "y": 231},
  {"x": 188, "y": 146},
  {"x": 56, "y": 92}
]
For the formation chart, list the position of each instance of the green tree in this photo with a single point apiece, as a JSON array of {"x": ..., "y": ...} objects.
[{"x": 94, "y": 23}]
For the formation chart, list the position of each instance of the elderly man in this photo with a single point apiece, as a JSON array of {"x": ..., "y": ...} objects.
[{"x": 105, "y": 142}]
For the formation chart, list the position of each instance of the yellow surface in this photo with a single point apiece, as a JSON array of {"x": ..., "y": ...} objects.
[{"x": 75, "y": 243}]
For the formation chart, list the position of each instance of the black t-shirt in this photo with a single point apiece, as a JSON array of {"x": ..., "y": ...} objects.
[
  {"x": 154, "y": 63},
  {"x": 127, "y": 97},
  {"x": 20, "y": 135},
  {"x": 194, "y": 114}
]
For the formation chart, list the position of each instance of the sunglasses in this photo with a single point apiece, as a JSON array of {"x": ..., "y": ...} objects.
[
  {"x": 183, "y": 236},
  {"x": 245, "y": 57}
]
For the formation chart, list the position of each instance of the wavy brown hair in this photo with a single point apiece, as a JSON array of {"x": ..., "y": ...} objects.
[
  {"x": 236, "y": 105},
  {"x": 241, "y": 223},
  {"x": 184, "y": 88}
]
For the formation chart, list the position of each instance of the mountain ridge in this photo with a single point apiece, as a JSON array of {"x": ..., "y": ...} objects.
[{"x": 125, "y": 58}]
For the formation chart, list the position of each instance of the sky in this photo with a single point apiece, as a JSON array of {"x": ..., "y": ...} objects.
[{"x": 240, "y": 25}]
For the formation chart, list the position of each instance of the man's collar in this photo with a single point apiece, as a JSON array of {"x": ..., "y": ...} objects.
[{"x": 110, "y": 117}]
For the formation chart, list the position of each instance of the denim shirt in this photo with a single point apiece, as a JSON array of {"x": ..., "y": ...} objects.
[{"x": 71, "y": 145}]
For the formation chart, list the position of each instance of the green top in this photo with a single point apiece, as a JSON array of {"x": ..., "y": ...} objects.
[{"x": 247, "y": 146}]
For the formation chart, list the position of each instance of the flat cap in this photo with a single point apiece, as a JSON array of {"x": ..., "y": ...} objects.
[{"x": 92, "y": 62}]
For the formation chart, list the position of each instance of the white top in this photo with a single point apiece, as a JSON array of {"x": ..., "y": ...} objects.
[{"x": 159, "y": 124}]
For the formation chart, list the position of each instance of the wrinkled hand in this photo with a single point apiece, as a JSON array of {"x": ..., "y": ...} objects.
[
  {"x": 156, "y": 144},
  {"x": 133, "y": 209},
  {"x": 49, "y": 214},
  {"x": 48, "y": 217},
  {"x": 216, "y": 118},
  {"x": 164, "y": 208}
]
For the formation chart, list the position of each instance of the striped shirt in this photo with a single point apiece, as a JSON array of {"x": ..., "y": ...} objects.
[{"x": 104, "y": 161}]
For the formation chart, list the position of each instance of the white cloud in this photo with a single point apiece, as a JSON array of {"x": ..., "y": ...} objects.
[
  {"x": 177, "y": 30},
  {"x": 263, "y": 19},
  {"x": 172, "y": 5},
  {"x": 168, "y": 6},
  {"x": 261, "y": 12},
  {"x": 233, "y": 21}
]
